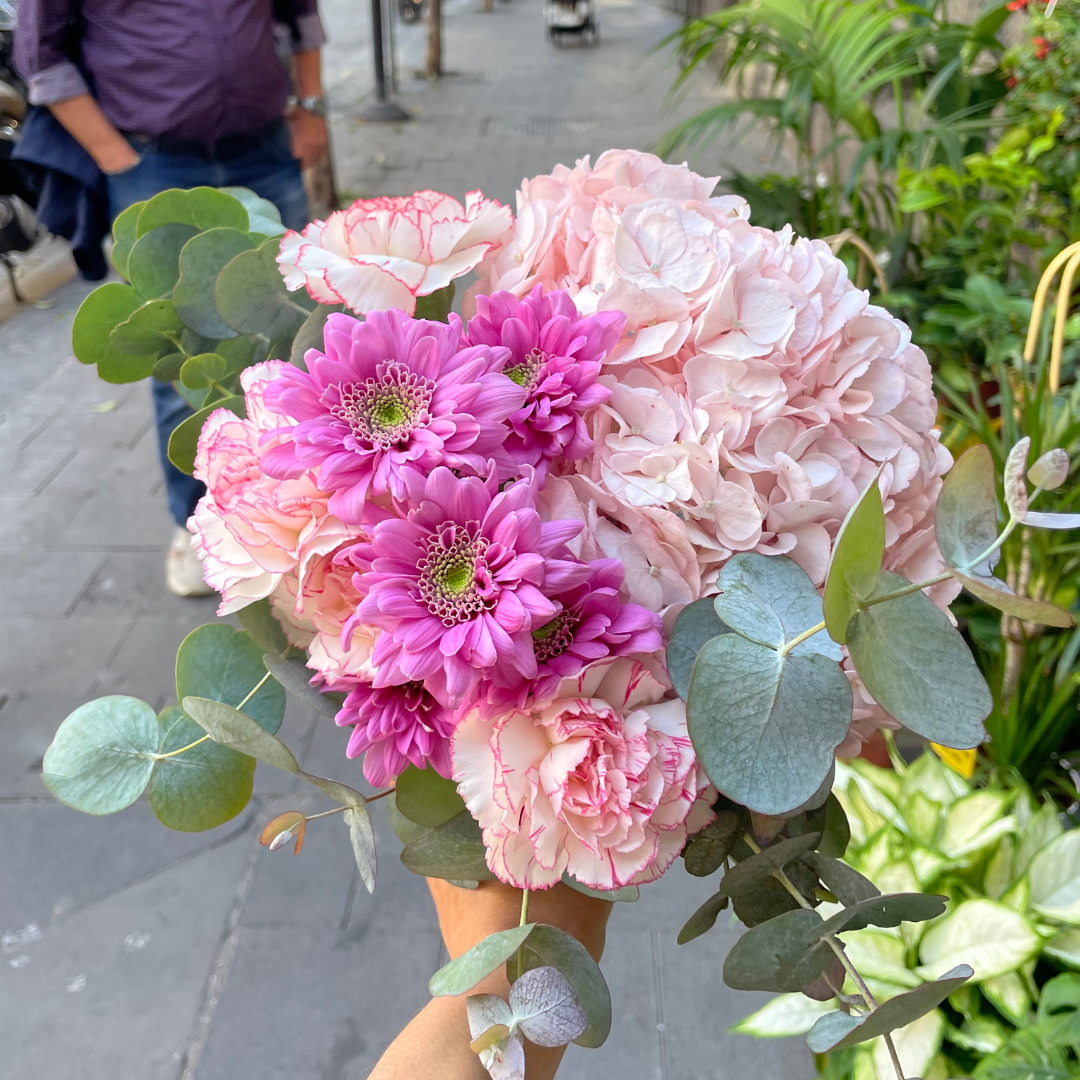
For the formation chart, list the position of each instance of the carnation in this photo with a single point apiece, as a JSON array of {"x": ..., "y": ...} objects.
[
  {"x": 383, "y": 253},
  {"x": 391, "y": 397},
  {"x": 600, "y": 783}
]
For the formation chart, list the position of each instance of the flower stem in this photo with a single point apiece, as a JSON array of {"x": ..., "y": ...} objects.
[
  {"x": 524, "y": 920},
  {"x": 380, "y": 795}
]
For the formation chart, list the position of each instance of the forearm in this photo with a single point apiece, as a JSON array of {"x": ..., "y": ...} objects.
[
  {"x": 307, "y": 73},
  {"x": 94, "y": 132}
]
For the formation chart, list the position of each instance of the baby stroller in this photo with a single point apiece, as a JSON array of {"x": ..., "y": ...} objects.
[{"x": 565, "y": 17}]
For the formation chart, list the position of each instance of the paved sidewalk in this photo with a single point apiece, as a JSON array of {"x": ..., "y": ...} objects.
[{"x": 129, "y": 952}]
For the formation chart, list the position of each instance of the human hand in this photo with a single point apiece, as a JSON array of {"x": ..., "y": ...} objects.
[{"x": 308, "y": 136}]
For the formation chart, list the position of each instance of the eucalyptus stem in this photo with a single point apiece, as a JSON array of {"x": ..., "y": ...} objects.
[
  {"x": 379, "y": 795},
  {"x": 326, "y": 813},
  {"x": 906, "y": 590},
  {"x": 255, "y": 689},
  {"x": 800, "y": 638},
  {"x": 173, "y": 753}
]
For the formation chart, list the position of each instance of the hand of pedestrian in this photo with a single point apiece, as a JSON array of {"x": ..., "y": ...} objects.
[{"x": 308, "y": 135}]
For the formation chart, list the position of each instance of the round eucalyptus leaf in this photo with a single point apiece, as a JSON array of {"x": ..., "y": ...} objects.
[
  {"x": 239, "y": 353},
  {"x": 203, "y": 787},
  {"x": 707, "y": 849},
  {"x": 184, "y": 441},
  {"x": 856, "y": 561},
  {"x": 362, "y": 839},
  {"x": 696, "y": 624},
  {"x": 966, "y": 519},
  {"x": 427, "y": 798},
  {"x": 198, "y": 372},
  {"x": 454, "y": 851},
  {"x": 218, "y": 661},
  {"x": 251, "y": 296},
  {"x": 296, "y": 679},
  {"x": 779, "y": 956},
  {"x": 104, "y": 309},
  {"x": 125, "y": 233},
  {"x": 310, "y": 334},
  {"x": 167, "y": 367},
  {"x": 101, "y": 757},
  {"x": 628, "y": 894},
  {"x": 202, "y": 208},
  {"x": 765, "y": 726},
  {"x": 546, "y": 1009},
  {"x": 437, "y": 305},
  {"x": 704, "y": 919},
  {"x": 462, "y": 974},
  {"x": 258, "y": 622},
  {"x": 154, "y": 262},
  {"x": 201, "y": 261},
  {"x": 263, "y": 216},
  {"x": 145, "y": 330},
  {"x": 918, "y": 668}
]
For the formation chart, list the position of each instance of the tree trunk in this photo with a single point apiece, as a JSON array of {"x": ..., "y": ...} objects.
[{"x": 434, "y": 39}]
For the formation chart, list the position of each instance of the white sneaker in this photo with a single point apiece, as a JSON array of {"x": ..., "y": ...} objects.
[{"x": 183, "y": 568}]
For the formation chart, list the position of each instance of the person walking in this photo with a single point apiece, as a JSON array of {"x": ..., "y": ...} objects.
[{"x": 182, "y": 93}]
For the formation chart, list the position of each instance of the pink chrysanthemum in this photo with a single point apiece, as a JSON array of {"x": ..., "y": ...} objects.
[
  {"x": 393, "y": 725},
  {"x": 458, "y": 586},
  {"x": 391, "y": 397},
  {"x": 593, "y": 623},
  {"x": 555, "y": 355}
]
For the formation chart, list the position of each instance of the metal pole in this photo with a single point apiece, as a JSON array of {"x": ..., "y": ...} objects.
[{"x": 382, "y": 109}]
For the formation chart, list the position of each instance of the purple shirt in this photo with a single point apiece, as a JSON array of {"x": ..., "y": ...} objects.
[{"x": 190, "y": 69}]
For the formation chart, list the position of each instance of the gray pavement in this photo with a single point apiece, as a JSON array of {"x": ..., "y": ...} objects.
[{"x": 128, "y": 952}]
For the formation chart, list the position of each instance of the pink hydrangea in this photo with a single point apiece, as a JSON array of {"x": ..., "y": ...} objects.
[
  {"x": 383, "y": 253},
  {"x": 392, "y": 397},
  {"x": 459, "y": 584},
  {"x": 251, "y": 530},
  {"x": 600, "y": 783},
  {"x": 555, "y": 356}
]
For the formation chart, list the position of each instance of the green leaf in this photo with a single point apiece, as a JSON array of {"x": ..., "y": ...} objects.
[
  {"x": 781, "y": 956},
  {"x": 144, "y": 331},
  {"x": 454, "y": 851},
  {"x": 846, "y": 884},
  {"x": 252, "y": 298},
  {"x": 765, "y": 726},
  {"x": 201, "y": 261},
  {"x": 340, "y": 793},
  {"x": 856, "y": 561},
  {"x": 200, "y": 371},
  {"x": 550, "y": 946},
  {"x": 989, "y": 936},
  {"x": 259, "y": 623},
  {"x": 263, "y": 216},
  {"x": 696, "y": 624},
  {"x": 462, "y": 974},
  {"x": 427, "y": 798},
  {"x": 437, "y": 305},
  {"x": 124, "y": 236},
  {"x": 765, "y": 902},
  {"x": 201, "y": 788},
  {"x": 831, "y": 821},
  {"x": 184, "y": 441},
  {"x": 628, "y": 894},
  {"x": 296, "y": 679},
  {"x": 1054, "y": 874},
  {"x": 707, "y": 849},
  {"x": 101, "y": 757},
  {"x": 167, "y": 368},
  {"x": 704, "y": 919},
  {"x": 785, "y": 1015},
  {"x": 154, "y": 263},
  {"x": 747, "y": 875},
  {"x": 889, "y": 910},
  {"x": 995, "y": 592},
  {"x": 201, "y": 208},
  {"x": 771, "y": 600},
  {"x": 917, "y": 667},
  {"x": 105, "y": 308},
  {"x": 966, "y": 521},
  {"x": 836, "y": 1031},
  {"x": 406, "y": 831},
  {"x": 218, "y": 661},
  {"x": 362, "y": 839},
  {"x": 235, "y": 729},
  {"x": 310, "y": 334}
]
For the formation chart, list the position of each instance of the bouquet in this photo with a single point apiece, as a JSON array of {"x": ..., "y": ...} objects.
[{"x": 606, "y": 571}]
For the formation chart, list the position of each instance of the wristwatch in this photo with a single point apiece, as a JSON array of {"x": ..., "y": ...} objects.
[{"x": 315, "y": 105}]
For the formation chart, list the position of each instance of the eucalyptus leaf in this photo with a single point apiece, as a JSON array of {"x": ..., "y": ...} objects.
[
  {"x": 167, "y": 367},
  {"x": 202, "y": 208},
  {"x": 200, "y": 371},
  {"x": 105, "y": 308},
  {"x": 405, "y": 830},
  {"x": 184, "y": 441},
  {"x": 125, "y": 233},
  {"x": 845, "y": 883},
  {"x": 102, "y": 755},
  {"x": 263, "y": 216},
  {"x": 427, "y": 798},
  {"x": 628, "y": 894},
  {"x": 464, "y": 972},
  {"x": 340, "y": 793},
  {"x": 455, "y": 851},
  {"x": 696, "y": 624},
  {"x": 258, "y": 622},
  {"x": 707, "y": 849},
  {"x": 295, "y": 677},
  {"x": 766, "y": 901},
  {"x": 437, "y": 305},
  {"x": 831, "y": 821},
  {"x": 546, "y": 1009},
  {"x": 780, "y": 956},
  {"x": 966, "y": 520},
  {"x": 771, "y": 600},
  {"x": 201, "y": 261},
  {"x": 745, "y": 876},
  {"x": 362, "y": 838},
  {"x": 251, "y": 296},
  {"x": 832, "y": 1033},
  {"x": 204, "y": 786},
  {"x": 765, "y": 726},
  {"x": 856, "y": 561},
  {"x": 918, "y": 668},
  {"x": 145, "y": 331},
  {"x": 310, "y": 334},
  {"x": 154, "y": 262},
  {"x": 235, "y": 729},
  {"x": 889, "y": 910},
  {"x": 704, "y": 919},
  {"x": 995, "y": 592}
]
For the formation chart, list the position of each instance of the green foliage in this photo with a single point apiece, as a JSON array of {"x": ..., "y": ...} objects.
[
  {"x": 462, "y": 974},
  {"x": 856, "y": 562},
  {"x": 453, "y": 851},
  {"x": 427, "y": 798},
  {"x": 205, "y": 301}
]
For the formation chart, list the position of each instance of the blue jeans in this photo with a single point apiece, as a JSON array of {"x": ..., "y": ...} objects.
[{"x": 271, "y": 172}]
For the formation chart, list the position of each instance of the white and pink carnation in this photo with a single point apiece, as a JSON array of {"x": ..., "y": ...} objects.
[{"x": 600, "y": 783}]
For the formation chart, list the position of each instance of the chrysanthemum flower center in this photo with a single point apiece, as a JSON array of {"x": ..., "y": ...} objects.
[
  {"x": 527, "y": 373},
  {"x": 555, "y": 637},
  {"x": 387, "y": 409},
  {"x": 455, "y": 582}
]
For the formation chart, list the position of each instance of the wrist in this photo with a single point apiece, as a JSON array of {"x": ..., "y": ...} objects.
[
  {"x": 313, "y": 104},
  {"x": 117, "y": 159}
]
